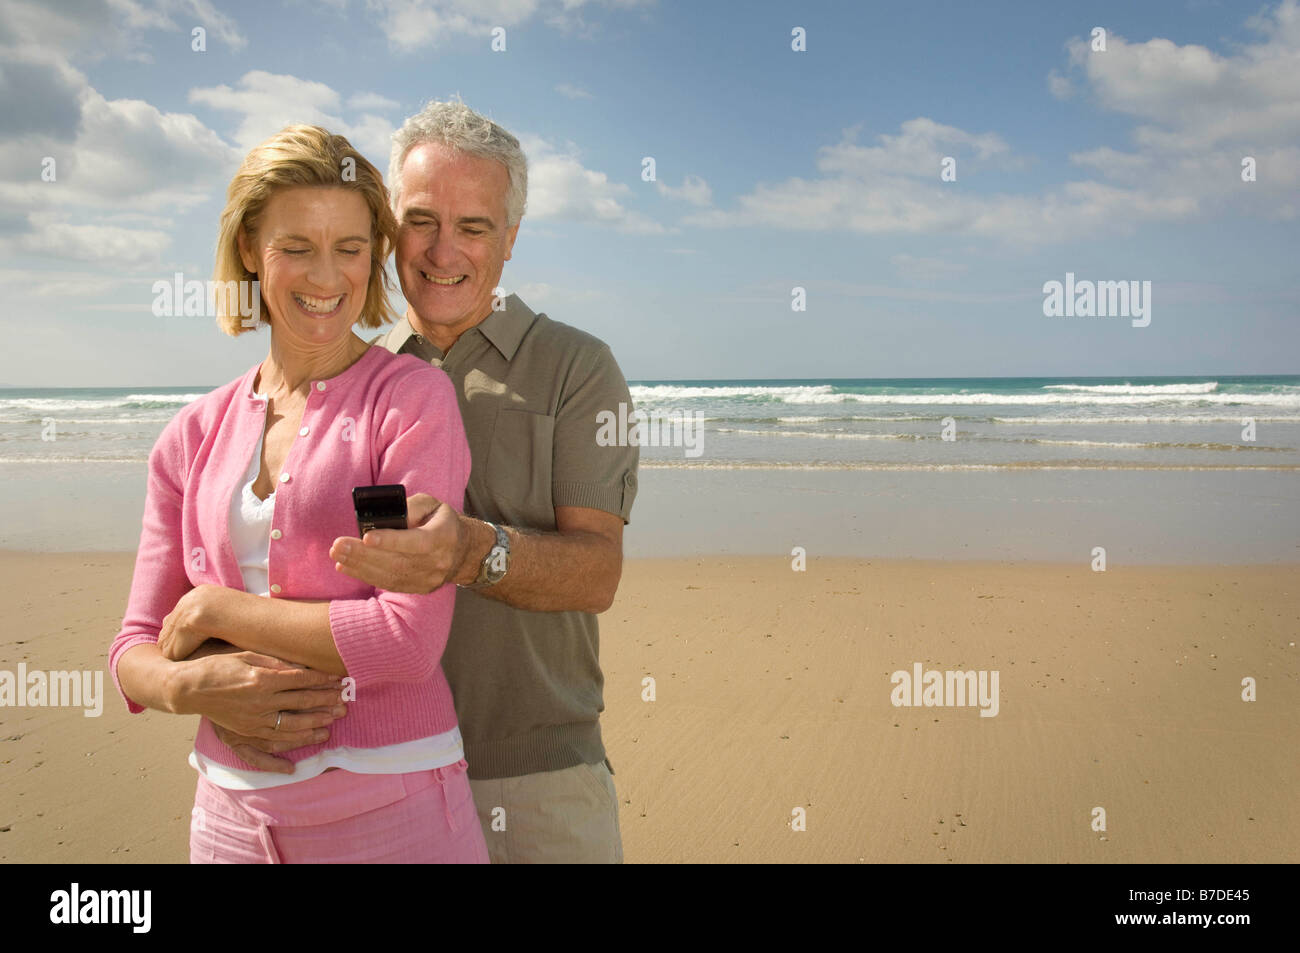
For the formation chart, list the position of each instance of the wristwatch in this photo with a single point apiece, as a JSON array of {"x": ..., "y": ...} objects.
[{"x": 495, "y": 564}]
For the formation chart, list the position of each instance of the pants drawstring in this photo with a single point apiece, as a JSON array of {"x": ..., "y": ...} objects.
[{"x": 446, "y": 802}]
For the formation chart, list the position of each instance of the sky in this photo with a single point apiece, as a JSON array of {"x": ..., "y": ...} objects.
[{"x": 776, "y": 168}]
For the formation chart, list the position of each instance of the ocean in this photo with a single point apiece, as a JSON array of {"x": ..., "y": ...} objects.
[
  {"x": 918, "y": 424},
  {"x": 1155, "y": 470},
  {"x": 1037, "y": 423}
]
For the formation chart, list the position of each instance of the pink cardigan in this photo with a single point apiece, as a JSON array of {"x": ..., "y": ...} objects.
[{"x": 386, "y": 419}]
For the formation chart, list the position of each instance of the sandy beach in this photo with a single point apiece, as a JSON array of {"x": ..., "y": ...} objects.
[{"x": 1119, "y": 690}]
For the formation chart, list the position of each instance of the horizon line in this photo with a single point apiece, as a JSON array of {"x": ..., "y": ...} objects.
[{"x": 751, "y": 380}]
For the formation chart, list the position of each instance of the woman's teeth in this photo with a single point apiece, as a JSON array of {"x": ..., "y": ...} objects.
[
  {"x": 318, "y": 305},
  {"x": 443, "y": 281}
]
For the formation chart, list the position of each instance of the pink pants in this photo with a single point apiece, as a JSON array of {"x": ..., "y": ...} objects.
[{"x": 425, "y": 817}]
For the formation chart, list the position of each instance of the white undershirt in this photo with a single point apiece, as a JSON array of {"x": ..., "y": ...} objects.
[{"x": 250, "y": 536}]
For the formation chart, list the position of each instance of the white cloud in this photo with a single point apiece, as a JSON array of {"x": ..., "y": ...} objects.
[
  {"x": 60, "y": 283},
  {"x": 126, "y": 247},
  {"x": 97, "y": 28},
  {"x": 916, "y": 152},
  {"x": 126, "y": 155},
  {"x": 60, "y": 30},
  {"x": 560, "y": 188},
  {"x": 693, "y": 190},
  {"x": 1059, "y": 86},
  {"x": 413, "y": 24},
  {"x": 540, "y": 294},
  {"x": 1193, "y": 98},
  {"x": 268, "y": 102},
  {"x": 1199, "y": 113},
  {"x": 140, "y": 16},
  {"x": 79, "y": 172},
  {"x": 40, "y": 95},
  {"x": 206, "y": 15},
  {"x": 567, "y": 15},
  {"x": 893, "y": 186},
  {"x": 131, "y": 151},
  {"x": 371, "y": 101}
]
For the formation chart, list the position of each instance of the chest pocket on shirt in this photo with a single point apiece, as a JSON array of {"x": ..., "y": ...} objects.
[{"x": 518, "y": 475}]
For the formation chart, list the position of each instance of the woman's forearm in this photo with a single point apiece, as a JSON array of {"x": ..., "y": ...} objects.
[
  {"x": 293, "y": 630},
  {"x": 148, "y": 677}
]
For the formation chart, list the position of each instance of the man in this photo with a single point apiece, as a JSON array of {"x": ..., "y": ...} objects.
[{"x": 538, "y": 552}]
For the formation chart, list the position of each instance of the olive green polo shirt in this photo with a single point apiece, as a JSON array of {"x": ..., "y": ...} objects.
[{"x": 528, "y": 685}]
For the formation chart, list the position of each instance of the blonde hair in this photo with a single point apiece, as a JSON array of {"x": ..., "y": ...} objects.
[{"x": 297, "y": 157}]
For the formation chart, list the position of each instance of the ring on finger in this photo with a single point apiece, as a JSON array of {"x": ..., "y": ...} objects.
[{"x": 278, "y": 716}]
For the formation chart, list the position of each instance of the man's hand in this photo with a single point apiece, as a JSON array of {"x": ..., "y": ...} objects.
[
  {"x": 261, "y": 754},
  {"x": 244, "y": 694},
  {"x": 427, "y": 555},
  {"x": 574, "y": 569}
]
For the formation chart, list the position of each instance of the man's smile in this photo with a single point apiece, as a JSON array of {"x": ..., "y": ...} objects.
[{"x": 454, "y": 280}]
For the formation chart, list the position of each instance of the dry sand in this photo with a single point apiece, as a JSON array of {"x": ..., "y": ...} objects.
[{"x": 1120, "y": 690}]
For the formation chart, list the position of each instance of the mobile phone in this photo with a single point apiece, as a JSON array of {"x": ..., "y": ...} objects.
[{"x": 380, "y": 507}]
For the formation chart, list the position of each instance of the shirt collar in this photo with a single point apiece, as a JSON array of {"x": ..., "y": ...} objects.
[
  {"x": 504, "y": 329},
  {"x": 397, "y": 337}
]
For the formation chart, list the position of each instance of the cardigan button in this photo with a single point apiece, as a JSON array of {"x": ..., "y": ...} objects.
[
  {"x": 303, "y": 432},
  {"x": 320, "y": 385},
  {"x": 276, "y": 534},
  {"x": 275, "y": 587},
  {"x": 284, "y": 478}
]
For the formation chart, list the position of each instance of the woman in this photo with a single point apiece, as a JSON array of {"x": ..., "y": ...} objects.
[{"x": 249, "y": 486}]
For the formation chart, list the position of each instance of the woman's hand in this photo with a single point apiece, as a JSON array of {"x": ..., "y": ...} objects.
[
  {"x": 296, "y": 630},
  {"x": 259, "y": 700},
  {"x": 187, "y": 626}
]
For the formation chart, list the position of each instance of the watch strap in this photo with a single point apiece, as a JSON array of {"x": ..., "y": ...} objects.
[{"x": 502, "y": 544}]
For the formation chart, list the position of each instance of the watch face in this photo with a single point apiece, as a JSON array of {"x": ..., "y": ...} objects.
[{"x": 498, "y": 561}]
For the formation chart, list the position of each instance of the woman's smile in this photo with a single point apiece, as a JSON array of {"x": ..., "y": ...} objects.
[{"x": 318, "y": 307}]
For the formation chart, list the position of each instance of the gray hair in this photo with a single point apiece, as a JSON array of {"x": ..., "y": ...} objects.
[{"x": 457, "y": 126}]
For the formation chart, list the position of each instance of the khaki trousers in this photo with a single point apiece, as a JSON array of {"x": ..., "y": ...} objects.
[{"x": 553, "y": 817}]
